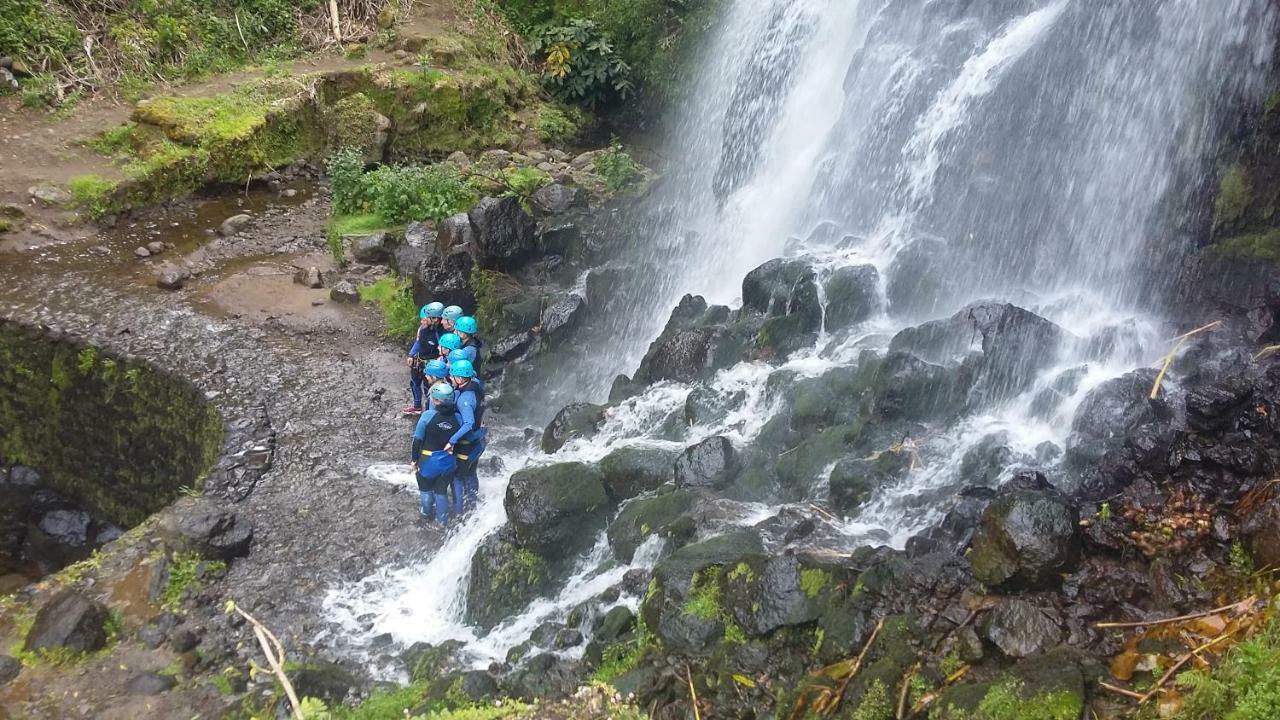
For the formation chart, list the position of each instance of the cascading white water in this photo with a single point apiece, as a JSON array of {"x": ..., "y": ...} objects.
[{"x": 1027, "y": 150}]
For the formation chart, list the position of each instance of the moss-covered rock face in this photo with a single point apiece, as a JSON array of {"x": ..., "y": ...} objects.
[{"x": 119, "y": 437}]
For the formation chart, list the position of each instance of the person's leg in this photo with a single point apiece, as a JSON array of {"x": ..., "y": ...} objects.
[
  {"x": 441, "y": 489},
  {"x": 415, "y": 387},
  {"x": 427, "y": 503}
]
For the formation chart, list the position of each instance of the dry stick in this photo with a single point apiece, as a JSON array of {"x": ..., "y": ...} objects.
[
  {"x": 1266, "y": 351},
  {"x": 1168, "y": 359},
  {"x": 1176, "y": 666},
  {"x": 857, "y": 664},
  {"x": 1247, "y": 601},
  {"x": 1120, "y": 691},
  {"x": 693, "y": 694},
  {"x": 906, "y": 686},
  {"x": 239, "y": 31},
  {"x": 263, "y": 634},
  {"x": 822, "y": 512}
]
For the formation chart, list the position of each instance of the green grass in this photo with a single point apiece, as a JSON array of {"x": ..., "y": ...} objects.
[
  {"x": 558, "y": 124},
  {"x": 813, "y": 581},
  {"x": 184, "y": 571},
  {"x": 621, "y": 658},
  {"x": 399, "y": 313},
  {"x": 92, "y": 193}
]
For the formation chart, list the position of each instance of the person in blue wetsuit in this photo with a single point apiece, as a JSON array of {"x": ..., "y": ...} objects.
[
  {"x": 436, "y": 371},
  {"x": 449, "y": 316},
  {"x": 466, "y": 328},
  {"x": 468, "y": 442},
  {"x": 425, "y": 348},
  {"x": 448, "y": 343},
  {"x": 436, "y": 467}
]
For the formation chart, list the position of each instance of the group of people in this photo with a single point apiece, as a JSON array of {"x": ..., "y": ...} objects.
[{"x": 448, "y": 400}]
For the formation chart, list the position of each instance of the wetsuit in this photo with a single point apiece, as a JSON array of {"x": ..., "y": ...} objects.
[
  {"x": 473, "y": 347},
  {"x": 436, "y": 469},
  {"x": 469, "y": 444},
  {"x": 425, "y": 347}
]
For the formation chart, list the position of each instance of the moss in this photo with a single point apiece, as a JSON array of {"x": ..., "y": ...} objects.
[
  {"x": 341, "y": 226},
  {"x": 399, "y": 312},
  {"x": 704, "y": 596},
  {"x": 5, "y": 224},
  {"x": 185, "y": 573},
  {"x": 813, "y": 581},
  {"x": 1234, "y": 194},
  {"x": 874, "y": 704},
  {"x": 1259, "y": 246},
  {"x": 623, "y": 657},
  {"x": 525, "y": 568},
  {"x": 742, "y": 571},
  {"x": 1006, "y": 701},
  {"x": 353, "y": 123},
  {"x": 145, "y": 434}
]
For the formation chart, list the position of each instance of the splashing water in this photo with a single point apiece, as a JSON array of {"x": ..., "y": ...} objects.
[{"x": 1022, "y": 150}]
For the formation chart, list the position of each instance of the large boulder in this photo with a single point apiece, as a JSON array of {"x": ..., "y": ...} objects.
[
  {"x": 918, "y": 280},
  {"x": 694, "y": 343},
  {"x": 504, "y": 579},
  {"x": 555, "y": 509},
  {"x": 579, "y": 420},
  {"x": 630, "y": 471},
  {"x": 554, "y": 199},
  {"x": 454, "y": 233},
  {"x": 212, "y": 532},
  {"x": 69, "y": 621},
  {"x": 323, "y": 680},
  {"x": 1027, "y": 540},
  {"x": 711, "y": 463},
  {"x": 1016, "y": 346},
  {"x": 762, "y": 593},
  {"x": 505, "y": 235},
  {"x": 374, "y": 248},
  {"x": 1108, "y": 415},
  {"x": 853, "y": 295},
  {"x": 784, "y": 288},
  {"x": 910, "y": 389},
  {"x": 667, "y": 514},
  {"x": 444, "y": 276},
  {"x": 854, "y": 481}
]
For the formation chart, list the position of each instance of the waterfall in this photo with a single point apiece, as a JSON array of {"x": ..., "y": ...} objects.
[{"x": 1032, "y": 151}]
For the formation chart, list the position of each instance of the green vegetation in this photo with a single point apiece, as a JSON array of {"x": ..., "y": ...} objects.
[
  {"x": 523, "y": 568},
  {"x": 346, "y": 171},
  {"x": 874, "y": 704},
  {"x": 92, "y": 193},
  {"x": 641, "y": 44},
  {"x": 618, "y": 169},
  {"x": 559, "y": 124},
  {"x": 1008, "y": 700},
  {"x": 1259, "y": 246},
  {"x": 813, "y": 581},
  {"x": 185, "y": 573},
  {"x": 1245, "y": 686},
  {"x": 394, "y": 297},
  {"x": 621, "y": 658},
  {"x": 704, "y": 603},
  {"x": 402, "y": 194},
  {"x": 1234, "y": 193},
  {"x": 135, "y": 40},
  {"x": 341, "y": 226}
]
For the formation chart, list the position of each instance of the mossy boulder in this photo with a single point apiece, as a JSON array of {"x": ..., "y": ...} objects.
[
  {"x": 505, "y": 578},
  {"x": 1027, "y": 539},
  {"x": 555, "y": 509},
  {"x": 630, "y": 471},
  {"x": 1048, "y": 687},
  {"x": 665, "y": 514},
  {"x": 579, "y": 420},
  {"x": 854, "y": 481}
]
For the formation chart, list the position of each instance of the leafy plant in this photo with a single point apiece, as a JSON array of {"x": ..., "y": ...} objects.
[
  {"x": 346, "y": 172},
  {"x": 394, "y": 297},
  {"x": 558, "y": 124},
  {"x": 401, "y": 194},
  {"x": 618, "y": 169},
  {"x": 580, "y": 64}
]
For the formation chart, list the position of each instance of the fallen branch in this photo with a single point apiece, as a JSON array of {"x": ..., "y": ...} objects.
[
  {"x": 693, "y": 694},
  {"x": 1178, "y": 665},
  {"x": 1120, "y": 691},
  {"x": 822, "y": 512},
  {"x": 337, "y": 22},
  {"x": 1168, "y": 359},
  {"x": 1242, "y": 605},
  {"x": 274, "y": 658},
  {"x": 906, "y": 688},
  {"x": 857, "y": 664},
  {"x": 1265, "y": 352}
]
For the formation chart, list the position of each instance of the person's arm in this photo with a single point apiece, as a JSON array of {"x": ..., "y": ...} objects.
[{"x": 466, "y": 411}]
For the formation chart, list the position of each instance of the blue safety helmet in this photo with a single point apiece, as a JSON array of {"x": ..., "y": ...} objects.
[
  {"x": 431, "y": 310},
  {"x": 462, "y": 369},
  {"x": 450, "y": 341},
  {"x": 437, "y": 369},
  {"x": 451, "y": 313},
  {"x": 467, "y": 324},
  {"x": 442, "y": 392},
  {"x": 456, "y": 355}
]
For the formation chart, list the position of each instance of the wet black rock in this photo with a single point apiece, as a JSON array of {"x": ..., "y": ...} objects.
[
  {"x": 696, "y": 341},
  {"x": 234, "y": 224},
  {"x": 579, "y": 420},
  {"x": 705, "y": 405},
  {"x": 69, "y": 620},
  {"x": 1108, "y": 414},
  {"x": 854, "y": 481},
  {"x": 150, "y": 684},
  {"x": 9, "y": 669},
  {"x": 504, "y": 579},
  {"x": 985, "y": 461},
  {"x": 615, "y": 623},
  {"x": 504, "y": 234},
  {"x": 630, "y": 471},
  {"x": 711, "y": 463},
  {"x": 1261, "y": 530},
  {"x": 543, "y": 676},
  {"x": 666, "y": 514},
  {"x": 419, "y": 235},
  {"x": 427, "y": 662},
  {"x": 764, "y": 593},
  {"x": 958, "y": 526},
  {"x": 918, "y": 279},
  {"x": 853, "y": 295},
  {"x": 784, "y": 288},
  {"x": 1016, "y": 346},
  {"x": 213, "y": 533},
  {"x": 324, "y": 680},
  {"x": 1021, "y": 629},
  {"x": 554, "y": 509},
  {"x": 567, "y": 638},
  {"x": 374, "y": 248},
  {"x": 1027, "y": 539},
  {"x": 554, "y": 199},
  {"x": 908, "y": 388},
  {"x": 444, "y": 276},
  {"x": 563, "y": 314}
]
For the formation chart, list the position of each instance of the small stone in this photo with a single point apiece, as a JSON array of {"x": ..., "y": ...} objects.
[
  {"x": 233, "y": 224},
  {"x": 9, "y": 669},
  {"x": 150, "y": 684},
  {"x": 183, "y": 639},
  {"x": 142, "y": 252},
  {"x": 459, "y": 160},
  {"x": 290, "y": 193},
  {"x": 69, "y": 620},
  {"x": 171, "y": 277},
  {"x": 155, "y": 247},
  {"x": 8, "y": 80},
  {"x": 345, "y": 291}
]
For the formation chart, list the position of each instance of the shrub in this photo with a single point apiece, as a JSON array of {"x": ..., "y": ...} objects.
[
  {"x": 558, "y": 124},
  {"x": 346, "y": 171},
  {"x": 618, "y": 169},
  {"x": 401, "y": 194},
  {"x": 394, "y": 297},
  {"x": 1245, "y": 686},
  {"x": 525, "y": 181},
  {"x": 580, "y": 64}
]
